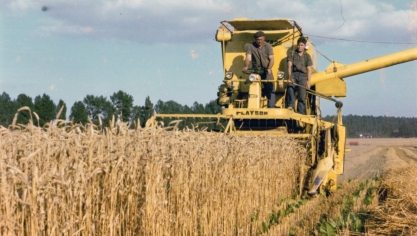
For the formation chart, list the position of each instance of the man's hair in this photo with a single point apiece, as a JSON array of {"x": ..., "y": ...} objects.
[
  {"x": 258, "y": 34},
  {"x": 302, "y": 40}
]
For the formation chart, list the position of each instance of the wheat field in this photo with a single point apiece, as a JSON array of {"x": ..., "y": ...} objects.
[{"x": 67, "y": 179}]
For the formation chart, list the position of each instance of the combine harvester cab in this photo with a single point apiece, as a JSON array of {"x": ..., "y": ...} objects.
[{"x": 248, "y": 111}]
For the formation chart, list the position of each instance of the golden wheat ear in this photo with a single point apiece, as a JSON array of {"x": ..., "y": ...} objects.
[
  {"x": 25, "y": 108},
  {"x": 37, "y": 117},
  {"x": 59, "y": 112}
]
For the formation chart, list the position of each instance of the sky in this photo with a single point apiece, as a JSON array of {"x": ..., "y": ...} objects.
[{"x": 166, "y": 49}]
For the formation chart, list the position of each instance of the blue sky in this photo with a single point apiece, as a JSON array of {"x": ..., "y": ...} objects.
[{"x": 166, "y": 49}]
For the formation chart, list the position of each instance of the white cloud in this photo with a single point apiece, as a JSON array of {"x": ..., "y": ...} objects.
[
  {"x": 194, "y": 55},
  {"x": 196, "y": 21},
  {"x": 19, "y": 5}
]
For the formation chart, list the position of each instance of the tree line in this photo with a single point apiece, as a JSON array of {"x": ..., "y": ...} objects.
[
  {"x": 379, "y": 127},
  {"x": 99, "y": 109}
]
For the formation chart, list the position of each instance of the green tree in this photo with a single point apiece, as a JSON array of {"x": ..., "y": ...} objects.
[
  {"x": 24, "y": 101},
  {"x": 122, "y": 104},
  {"x": 45, "y": 108},
  {"x": 406, "y": 128},
  {"x": 378, "y": 127},
  {"x": 136, "y": 116},
  {"x": 198, "y": 108},
  {"x": 212, "y": 107},
  {"x": 187, "y": 110},
  {"x": 147, "y": 111},
  {"x": 169, "y": 107},
  {"x": 79, "y": 113},
  {"x": 63, "y": 115},
  {"x": 172, "y": 107},
  {"x": 99, "y": 106},
  {"x": 7, "y": 109}
]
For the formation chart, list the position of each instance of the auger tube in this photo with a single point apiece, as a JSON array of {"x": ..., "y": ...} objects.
[{"x": 337, "y": 70}]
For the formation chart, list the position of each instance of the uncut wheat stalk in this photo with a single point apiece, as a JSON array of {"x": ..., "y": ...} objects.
[{"x": 76, "y": 179}]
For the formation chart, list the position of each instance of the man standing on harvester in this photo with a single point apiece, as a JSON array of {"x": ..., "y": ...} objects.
[
  {"x": 299, "y": 73},
  {"x": 262, "y": 57}
]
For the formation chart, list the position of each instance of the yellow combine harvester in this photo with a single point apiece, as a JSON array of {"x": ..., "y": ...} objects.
[{"x": 246, "y": 110}]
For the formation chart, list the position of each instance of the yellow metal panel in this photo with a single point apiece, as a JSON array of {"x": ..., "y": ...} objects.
[
  {"x": 331, "y": 181},
  {"x": 277, "y": 24},
  {"x": 269, "y": 114},
  {"x": 254, "y": 100},
  {"x": 339, "y": 157},
  {"x": 332, "y": 87},
  {"x": 220, "y": 116},
  {"x": 223, "y": 34}
]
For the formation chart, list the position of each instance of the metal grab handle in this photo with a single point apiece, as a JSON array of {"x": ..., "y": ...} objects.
[{"x": 339, "y": 104}]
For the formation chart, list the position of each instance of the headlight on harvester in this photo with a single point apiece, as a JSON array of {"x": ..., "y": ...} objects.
[
  {"x": 281, "y": 75},
  {"x": 252, "y": 77},
  {"x": 229, "y": 75}
]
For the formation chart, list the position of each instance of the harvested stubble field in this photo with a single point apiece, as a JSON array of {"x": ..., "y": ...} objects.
[
  {"x": 76, "y": 180},
  {"x": 394, "y": 162},
  {"x": 374, "y": 156}
]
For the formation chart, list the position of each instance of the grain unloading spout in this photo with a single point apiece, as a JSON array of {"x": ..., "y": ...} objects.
[{"x": 330, "y": 81}]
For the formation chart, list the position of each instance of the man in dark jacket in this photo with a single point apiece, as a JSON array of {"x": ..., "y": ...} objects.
[
  {"x": 299, "y": 72},
  {"x": 262, "y": 57}
]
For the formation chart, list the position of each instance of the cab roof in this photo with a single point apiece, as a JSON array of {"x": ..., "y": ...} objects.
[{"x": 241, "y": 24}]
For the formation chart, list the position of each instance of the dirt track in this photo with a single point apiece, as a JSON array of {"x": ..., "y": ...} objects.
[{"x": 371, "y": 157}]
